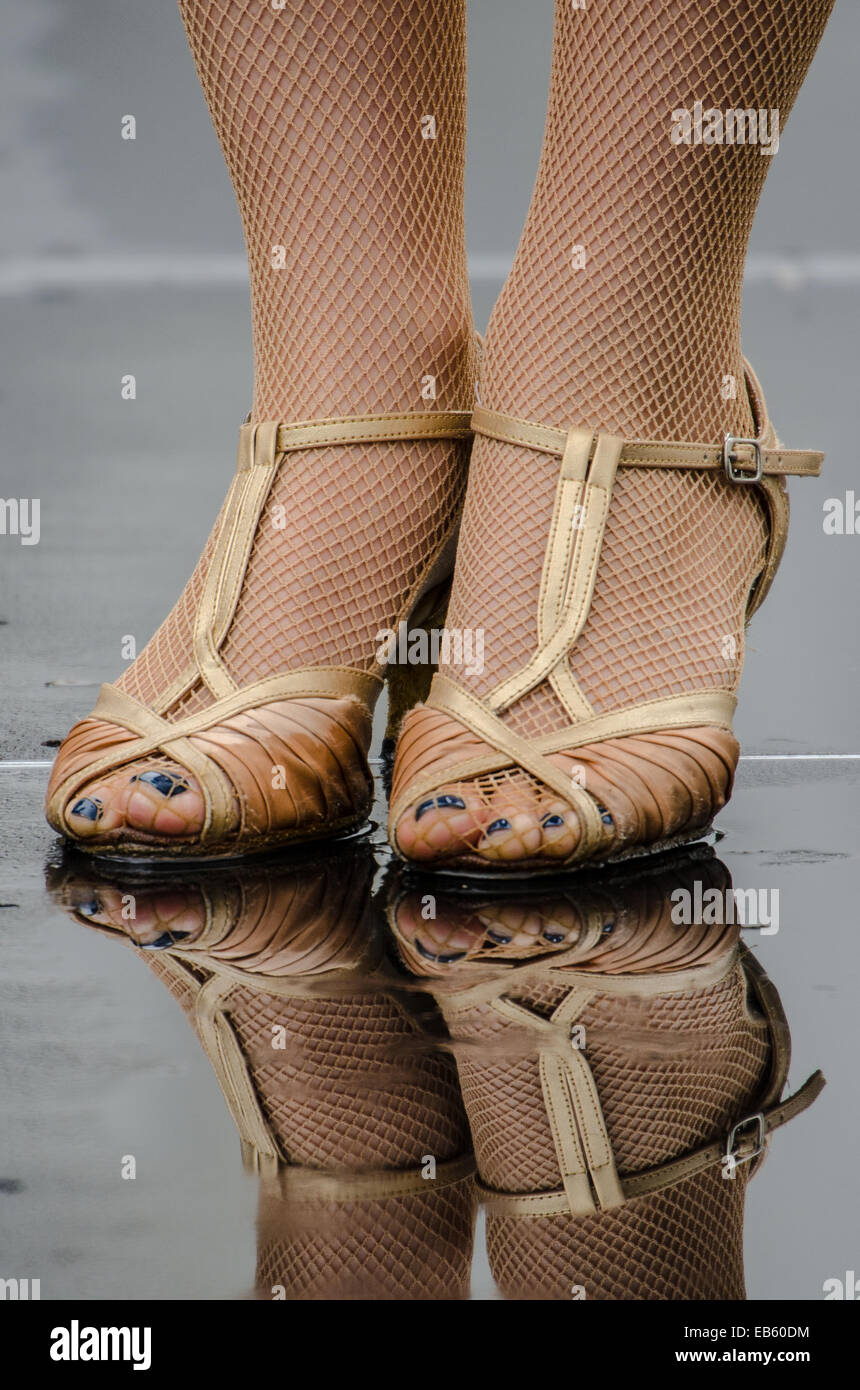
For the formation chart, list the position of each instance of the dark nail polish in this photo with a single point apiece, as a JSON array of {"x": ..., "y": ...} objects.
[
  {"x": 450, "y": 957},
  {"x": 607, "y": 928},
  {"x": 422, "y": 950},
  {"x": 159, "y": 944},
  {"x": 88, "y": 808},
  {"x": 605, "y": 816},
  {"x": 498, "y": 938},
  {"x": 552, "y": 822},
  {"x": 167, "y": 783},
  {"x": 500, "y": 824},
  {"x": 89, "y": 909},
  {"x": 443, "y": 803},
  {"x": 554, "y": 937}
]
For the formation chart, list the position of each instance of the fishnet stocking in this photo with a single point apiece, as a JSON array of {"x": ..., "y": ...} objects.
[
  {"x": 671, "y": 1072},
  {"x": 354, "y": 1088},
  {"x": 639, "y": 340},
  {"x": 353, "y": 223}
]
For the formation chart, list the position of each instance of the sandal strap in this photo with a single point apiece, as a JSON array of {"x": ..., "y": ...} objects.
[
  {"x": 505, "y": 749},
  {"x": 174, "y": 739},
  {"x": 262, "y": 448},
  {"x": 292, "y": 1183},
  {"x": 589, "y": 467},
  {"x": 355, "y": 429},
  {"x": 644, "y": 453},
  {"x": 591, "y": 1182},
  {"x": 741, "y": 1147}
]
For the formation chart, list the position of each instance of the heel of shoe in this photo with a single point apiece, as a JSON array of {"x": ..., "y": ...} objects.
[{"x": 409, "y": 682}]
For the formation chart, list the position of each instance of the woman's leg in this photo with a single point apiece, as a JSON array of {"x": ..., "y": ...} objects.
[
  {"x": 342, "y": 123},
  {"x": 621, "y": 314}
]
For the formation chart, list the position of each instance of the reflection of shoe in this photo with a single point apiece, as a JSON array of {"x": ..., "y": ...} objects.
[
  {"x": 605, "y": 1088},
  {"x": 219, "y": 768},
  {"x": 340, "y": 1094},
  {"x": 560, "y": 760}
]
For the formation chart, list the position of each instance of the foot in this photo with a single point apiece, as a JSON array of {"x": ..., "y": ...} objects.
[
  {"x": 162, "y": 916},
  {"x": 680, "y": 555},
  {"x": 295, "y": 767}
]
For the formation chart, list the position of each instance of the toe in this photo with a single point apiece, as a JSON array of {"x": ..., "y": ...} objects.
[
  {"x": 164, "y": 801},
  {"x": 513, "y": 831},
  {"x": 441, "y": 824},
  {"x": 560, "y": 830},
  {"x": 98, "y": 808}
]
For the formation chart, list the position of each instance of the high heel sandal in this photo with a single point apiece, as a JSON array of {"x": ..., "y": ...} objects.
[
  {"x": 284, "y": 759},
  {"x": 669, "y": 761}
]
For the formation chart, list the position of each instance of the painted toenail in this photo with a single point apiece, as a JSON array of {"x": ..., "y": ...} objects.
[
  {"x": 88, "y": 808},
  {"x": 607, "y": 928},
  {"x": 442, "y": 803},
  {"x": 554, "y": 937},
  {"x": 551, "y": 822},
  {"x": 604, "y": 815},
  {"x": 162, "y": 942},
  {"x": 447, "y": 959},
  {"x": 498, "y": 938},
  {"x": 165, "y": 782},
  {"x": 500, "y": 824},
  {"x": 89, "y": 909}
]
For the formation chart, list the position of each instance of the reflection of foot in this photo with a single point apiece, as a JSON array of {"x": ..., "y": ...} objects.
[
  {"x": 602, "y": 1076},
  {"x": 346, "y": 1108},
  {"x": 593, "y": 922},
  {"x": 160, "y": 917},
  {"x": 614, "y": 646}
]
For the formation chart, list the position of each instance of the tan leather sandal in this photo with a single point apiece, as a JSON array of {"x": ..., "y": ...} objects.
[
  {"x": 681, "y": 747},
  {"x": 281, "y": 760}
]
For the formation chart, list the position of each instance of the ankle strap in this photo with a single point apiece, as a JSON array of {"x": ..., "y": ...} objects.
[
  {"x": 260, "y": 441},
  {"x": 743, "y": 1143},
  {"x": 643, "y": 453}
]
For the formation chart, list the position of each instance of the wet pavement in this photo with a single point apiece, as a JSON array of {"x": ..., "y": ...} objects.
[{"x": 324, "y": 1053}]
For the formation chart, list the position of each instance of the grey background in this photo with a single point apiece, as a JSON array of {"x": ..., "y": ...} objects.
[{"x": 97, "y": 1059}]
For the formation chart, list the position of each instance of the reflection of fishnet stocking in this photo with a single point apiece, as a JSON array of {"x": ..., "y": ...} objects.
[
  {"x": 354, "y": 1088},
  {"x": 319, "y": 107},
  {"x": 636, "y": 342},
  {"x": 671, "y": 1072}
]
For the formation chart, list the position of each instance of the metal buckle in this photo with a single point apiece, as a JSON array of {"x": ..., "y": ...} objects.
[
  {"x": 740, "y": 475},
  {"x": 735, "y": 1138}
]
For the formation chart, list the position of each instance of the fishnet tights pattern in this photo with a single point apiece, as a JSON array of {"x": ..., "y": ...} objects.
[
  {"x": 671, "y": 1072},
  {"x": 353, "y": 223},
  {"x": 634, "y": 336}
]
